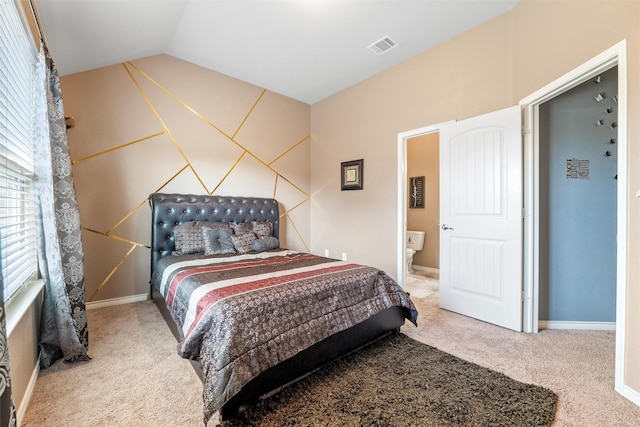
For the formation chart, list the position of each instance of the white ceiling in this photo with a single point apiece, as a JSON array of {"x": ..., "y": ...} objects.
[{"x": 304, "y": 49}]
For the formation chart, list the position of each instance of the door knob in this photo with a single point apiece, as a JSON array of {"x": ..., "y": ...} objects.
[{"x": 446, "y": 227}]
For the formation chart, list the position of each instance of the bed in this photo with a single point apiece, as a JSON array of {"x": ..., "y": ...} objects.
[{"x": 254, "y": 321}]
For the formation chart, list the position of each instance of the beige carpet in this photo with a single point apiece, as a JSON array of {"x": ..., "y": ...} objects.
[{"x": 136, "y": 378}]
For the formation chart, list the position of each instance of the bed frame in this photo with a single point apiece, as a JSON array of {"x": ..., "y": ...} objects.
[{"x": 169, "y": 210}]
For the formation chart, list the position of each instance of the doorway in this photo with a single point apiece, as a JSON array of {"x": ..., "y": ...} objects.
[
  {"x": 578, "y": 202},
  {"x": 423, "y": 170},
  {"x": 423, "y": 211},
  {"x": 616, "y": 56},
  {"x": 429, "y": 132}
]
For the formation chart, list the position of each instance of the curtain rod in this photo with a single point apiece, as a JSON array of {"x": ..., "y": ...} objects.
[{"x": 36, "y": 18}]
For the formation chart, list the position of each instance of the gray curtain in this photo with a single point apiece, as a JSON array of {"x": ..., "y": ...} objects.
[
  {"x": 63, "y": 328},
  {"x": 7, "y": 409}
]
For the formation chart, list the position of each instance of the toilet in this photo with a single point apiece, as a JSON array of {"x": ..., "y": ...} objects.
[{"x": 415, "y": 243}]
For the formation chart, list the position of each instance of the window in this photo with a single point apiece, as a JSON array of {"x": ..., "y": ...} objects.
[{"x": 17, "y": 104}]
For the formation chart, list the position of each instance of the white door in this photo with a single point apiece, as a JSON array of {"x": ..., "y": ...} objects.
[{"x": 481, "y": 187}]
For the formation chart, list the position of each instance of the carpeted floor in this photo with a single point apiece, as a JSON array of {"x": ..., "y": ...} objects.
[
  {"x": 137, "y": 379},
  {"x": 400, "y": 382}
]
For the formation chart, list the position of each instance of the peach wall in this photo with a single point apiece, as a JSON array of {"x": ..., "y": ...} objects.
[
  {"x": 160, "y": 124},
  {"x": 490, "y": 67},
  {"x": 463, "y": 77}
]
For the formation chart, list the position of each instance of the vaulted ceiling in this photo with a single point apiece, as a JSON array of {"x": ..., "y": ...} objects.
[{"x": 304, "y": 49}]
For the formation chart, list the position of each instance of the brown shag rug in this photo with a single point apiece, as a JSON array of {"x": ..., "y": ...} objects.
[{"x": 398, "y": 381}]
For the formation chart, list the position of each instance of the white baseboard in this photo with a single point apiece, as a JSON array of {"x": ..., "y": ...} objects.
[
  {"x": 631, "y": 394},
  {"x": 24, "y": 403},
  {"x": 585, "y": 326},
  {"x": 117, "y": 301}
]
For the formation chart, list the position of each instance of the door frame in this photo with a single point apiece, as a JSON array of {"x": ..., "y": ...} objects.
[
  {"x": 403, "y": 139},
  {"x": 616, "y": 55}
]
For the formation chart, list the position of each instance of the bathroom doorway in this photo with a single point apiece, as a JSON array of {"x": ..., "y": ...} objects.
[
  {"x": 423, "y": 212},
  {"x": 423, "y": 163}
]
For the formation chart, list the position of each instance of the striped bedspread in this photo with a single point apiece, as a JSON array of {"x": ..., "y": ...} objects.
[{"x": 242, "y": 314}]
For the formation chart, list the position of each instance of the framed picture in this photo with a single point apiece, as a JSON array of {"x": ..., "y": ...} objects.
[
  {"x": 416, "y": 192},
  {"x": 351, "y": 175}
]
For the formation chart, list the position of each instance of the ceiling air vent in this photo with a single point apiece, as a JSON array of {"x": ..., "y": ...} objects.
[{"x": 383, "y": 45}]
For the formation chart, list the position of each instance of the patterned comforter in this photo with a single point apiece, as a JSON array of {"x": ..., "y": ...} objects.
[{"x": 242, "y": 314}]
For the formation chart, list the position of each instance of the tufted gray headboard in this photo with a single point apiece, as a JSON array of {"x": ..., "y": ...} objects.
[{"x": 169, "y": 210}]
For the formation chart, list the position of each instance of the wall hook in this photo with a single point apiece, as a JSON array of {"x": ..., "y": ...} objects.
[{"x": 70, "y": 122}]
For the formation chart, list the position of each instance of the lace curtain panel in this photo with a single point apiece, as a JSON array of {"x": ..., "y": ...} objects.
[{"x": 63, "y": 329}]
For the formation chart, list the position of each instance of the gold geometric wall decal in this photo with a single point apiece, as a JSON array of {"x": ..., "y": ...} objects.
[
  {"x": 204, "y": 119},
  {"x": 296, "y": 224},
  {"x": 290, "y": 193},
  {"x": 248, "y": 114},
  {"x": 201, "y": 158},
  {"x": 256, "y": 136},
  {"x": 293, "y": 147},
  {"x": 112, "y": 185},
  {"x": 293, "y": 224},
  {"x": 263, "y": 179},
  {"x": 226, "y": 175},
  {"x": 118, "y": 147},
  {"x": 185, "y": 181},
  {"x": 111, "y": 273}
]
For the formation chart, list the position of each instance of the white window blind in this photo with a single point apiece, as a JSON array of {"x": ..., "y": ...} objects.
[{"x": 17, "y": 104}]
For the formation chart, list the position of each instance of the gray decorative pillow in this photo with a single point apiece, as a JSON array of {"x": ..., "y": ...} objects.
[
  {"x": 188, "y": 235},
  {"x": 243, "y": 242},
  {"x": 217, "y": 241},
  {"x": 265, "y": 243},
  {"x": 262, "y": 228},
  {"x": 242, "y": 228},
  {"x": 188, "y": 238}
]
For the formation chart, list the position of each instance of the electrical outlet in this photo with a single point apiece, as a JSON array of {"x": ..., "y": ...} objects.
[
  {"x": 344, "y": 256},
  {"x": 326, "y": 253}
]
